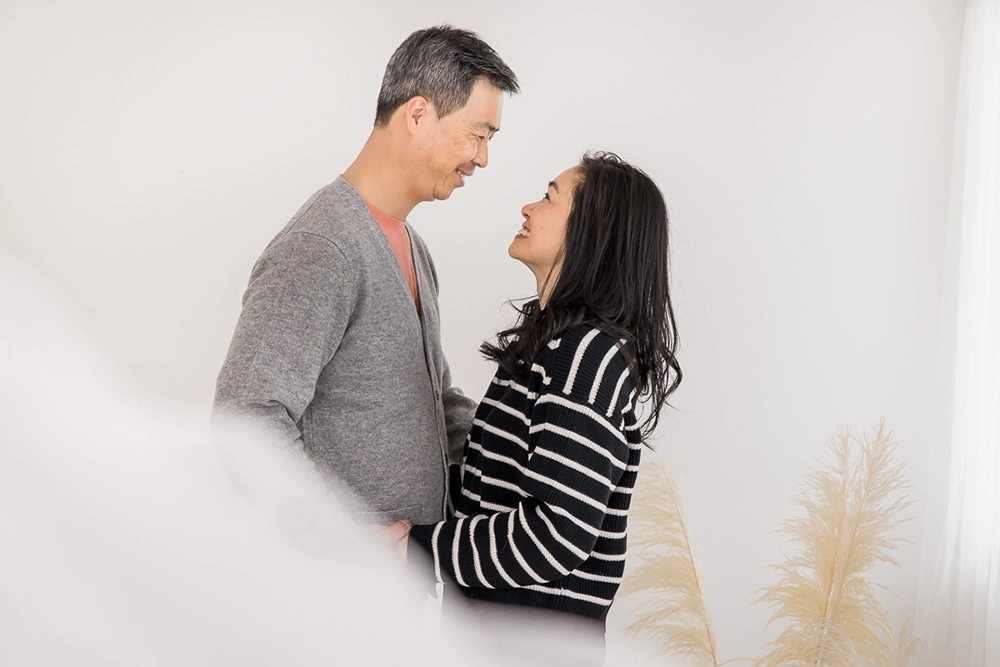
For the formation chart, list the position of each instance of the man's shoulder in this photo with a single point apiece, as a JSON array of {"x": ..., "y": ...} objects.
[{"x": 335, "y": 212}]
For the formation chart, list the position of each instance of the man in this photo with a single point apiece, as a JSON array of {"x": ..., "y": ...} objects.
[{"x": 337, "y": 350}]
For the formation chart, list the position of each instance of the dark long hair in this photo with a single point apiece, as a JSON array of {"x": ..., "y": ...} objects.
[{"x": 615, "y": 276}]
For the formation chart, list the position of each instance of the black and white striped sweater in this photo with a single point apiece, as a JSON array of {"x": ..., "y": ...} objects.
[{"x": 547, "y": 479}]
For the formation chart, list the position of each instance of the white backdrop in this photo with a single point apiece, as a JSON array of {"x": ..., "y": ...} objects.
[{"x": 148, "y": 152}]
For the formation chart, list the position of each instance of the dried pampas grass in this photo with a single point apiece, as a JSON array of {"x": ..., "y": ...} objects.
[
  {"x": 823, "y": 592},
  {"x": 676, "y": 619},
  {"x": 906, "y": 646}
]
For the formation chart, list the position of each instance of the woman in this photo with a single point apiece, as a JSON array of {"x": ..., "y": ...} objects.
[{"x": 553, "y": 452}]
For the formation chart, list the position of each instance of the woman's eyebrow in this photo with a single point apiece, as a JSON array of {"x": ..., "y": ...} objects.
[{"x": 554, "y": 186}]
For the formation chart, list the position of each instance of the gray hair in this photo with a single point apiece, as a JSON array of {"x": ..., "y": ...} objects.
[{"x": 442, "y": 64}]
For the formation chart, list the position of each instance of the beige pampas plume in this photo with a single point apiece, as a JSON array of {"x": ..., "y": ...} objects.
[
  {"x": 676, "y": 618},
  {"x": 823, "y": 592},
  {"x": 906, "y": 646}
]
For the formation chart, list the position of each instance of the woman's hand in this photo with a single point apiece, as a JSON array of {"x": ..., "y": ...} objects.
[
  {"x": 402, "y": 528},
  {"x": 398, "y": 534},
  {"x": 404, "y": 538},
  {"x": 394, "y": 536}
]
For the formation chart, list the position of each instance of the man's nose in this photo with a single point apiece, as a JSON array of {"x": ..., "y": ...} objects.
[{"x": 482, "y": 157}]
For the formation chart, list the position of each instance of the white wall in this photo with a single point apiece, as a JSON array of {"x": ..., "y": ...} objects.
[{"x": 149, "y": 151}]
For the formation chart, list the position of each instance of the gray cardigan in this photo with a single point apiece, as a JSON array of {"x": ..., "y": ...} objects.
[{"x": 330, "y": 356}]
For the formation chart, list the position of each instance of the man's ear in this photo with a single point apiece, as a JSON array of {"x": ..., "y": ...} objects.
[{"x": 416, "y": 111}]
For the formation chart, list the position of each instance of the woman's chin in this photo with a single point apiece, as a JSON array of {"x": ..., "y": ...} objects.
[{"x": 516, "y": 253}]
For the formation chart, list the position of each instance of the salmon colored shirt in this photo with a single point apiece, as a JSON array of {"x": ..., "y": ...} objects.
[{"x": 399, "y": 240}]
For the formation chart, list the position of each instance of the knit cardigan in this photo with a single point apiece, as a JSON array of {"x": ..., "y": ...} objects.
[
  {"x": 331, "y": 358},
  {"x": 547, "y": 479}
]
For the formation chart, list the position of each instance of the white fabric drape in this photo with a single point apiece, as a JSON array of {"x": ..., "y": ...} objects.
[{"x": 959, "y": 607}]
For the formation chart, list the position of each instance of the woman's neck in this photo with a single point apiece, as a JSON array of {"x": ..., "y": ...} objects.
[{"x": 544, "y": 283}]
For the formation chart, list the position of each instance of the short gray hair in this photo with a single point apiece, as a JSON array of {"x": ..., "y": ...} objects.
[{"x": 442, "y": 64}]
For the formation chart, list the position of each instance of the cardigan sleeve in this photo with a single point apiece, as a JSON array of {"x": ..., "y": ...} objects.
[
  {"x": 459, "y": 411},
  {"x": 577, "y": 454},
  {"x": 295, "y": 311}
]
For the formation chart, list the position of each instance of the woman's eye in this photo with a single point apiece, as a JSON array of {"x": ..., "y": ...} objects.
[{"x": 545, "y": 196}]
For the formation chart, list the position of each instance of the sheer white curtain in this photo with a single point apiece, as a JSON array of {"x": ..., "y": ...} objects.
[{"x": 959, "y": 609}]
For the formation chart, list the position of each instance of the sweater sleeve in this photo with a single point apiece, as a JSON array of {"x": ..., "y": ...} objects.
[
  {"x": 295, "y": 311},
  {"x": 577, "y": 454},
  {"x": 459, "y": 411}
]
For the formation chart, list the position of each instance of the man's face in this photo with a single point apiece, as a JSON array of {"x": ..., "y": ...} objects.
[{"x": 452, "y": 147}]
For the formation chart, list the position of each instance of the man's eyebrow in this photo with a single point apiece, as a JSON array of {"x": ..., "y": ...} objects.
[
  {"x": 484, "y": 125},
  {"x": 552, "y": 184}
]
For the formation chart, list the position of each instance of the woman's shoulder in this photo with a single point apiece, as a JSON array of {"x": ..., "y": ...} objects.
[
  {"x": 584, "y": 354},
  {"x": 586, "y": 340}
]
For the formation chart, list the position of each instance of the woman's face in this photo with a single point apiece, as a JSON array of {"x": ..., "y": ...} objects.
[{"x": 538, "y": 242}]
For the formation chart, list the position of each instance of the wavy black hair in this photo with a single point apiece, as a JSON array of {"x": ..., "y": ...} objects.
[{"x": 614, "y": 274}]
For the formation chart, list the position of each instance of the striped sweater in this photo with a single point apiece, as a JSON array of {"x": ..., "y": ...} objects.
[{"x": 546, "y": 483}]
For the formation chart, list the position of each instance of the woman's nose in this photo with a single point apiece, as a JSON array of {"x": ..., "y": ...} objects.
[{"x": 526, "y": 210}]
